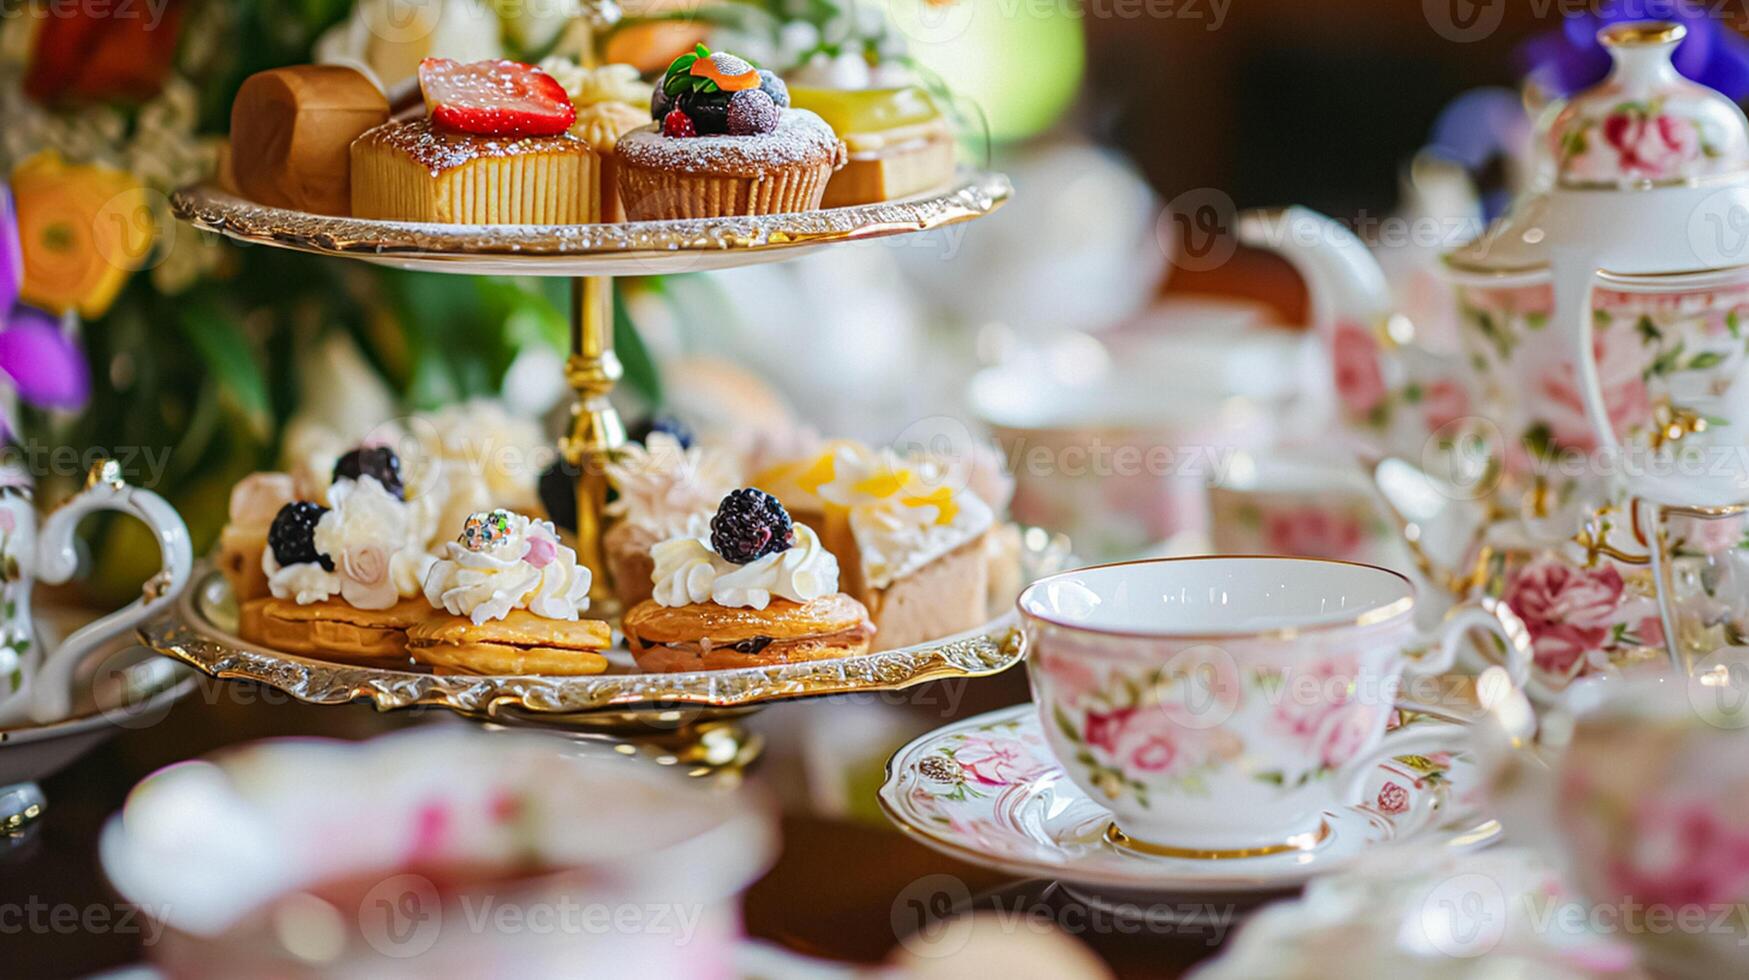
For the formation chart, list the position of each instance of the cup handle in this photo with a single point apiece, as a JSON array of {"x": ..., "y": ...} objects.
[
  {"x": 57, "y": 559},
  {"x": 1487, "y": 614}
]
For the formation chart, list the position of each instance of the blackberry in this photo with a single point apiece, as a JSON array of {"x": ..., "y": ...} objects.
[
  {"x": 749, "y": 525},
  {"x": 558, "y": 493},
  {"x": 293, "y": 535},
  {"x": 774, "y": 87},
  {"x": 709, "y": 111},
  {"x": 640, "y": 431},
  {"x": 751, "y": 112},
  {"x": 379, "y": 462}
]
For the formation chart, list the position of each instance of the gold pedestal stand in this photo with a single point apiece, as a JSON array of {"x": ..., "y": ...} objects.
[{"x": 596, "y": 429}]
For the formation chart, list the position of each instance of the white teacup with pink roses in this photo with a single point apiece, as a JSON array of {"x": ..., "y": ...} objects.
[{"x": 1219, "y": 705}]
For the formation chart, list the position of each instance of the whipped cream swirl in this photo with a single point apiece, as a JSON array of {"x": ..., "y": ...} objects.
[
  {"x": 689, "y": 572},
  {"x": 368, "y": 535},
  {"x": 664, "y": 486},
  {"x": 524, "y": 567}
]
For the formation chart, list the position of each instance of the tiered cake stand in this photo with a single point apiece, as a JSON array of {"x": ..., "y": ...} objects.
[{"x": 685, "y": 719}]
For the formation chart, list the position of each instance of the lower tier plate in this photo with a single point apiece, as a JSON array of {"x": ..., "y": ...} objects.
[{"x": 202, "y": 633}]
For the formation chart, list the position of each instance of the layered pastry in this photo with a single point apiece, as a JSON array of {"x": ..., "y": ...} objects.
[
  {"x": 611, "y": 100},
  {"x": 725, "y": 142},
  {"x": 759, "y": 590},
  {"x": 910, "y": 538},
  {"x": 514, "y": 596},
  {"x": 255, "y": 501},
  {"x": 494, "y": 148},
  {"x": 344, "y": 581},
  {"x": 667, "y": 489},
  {"x": 291, "y": 134},
  {"x": 897, "y": 140}
]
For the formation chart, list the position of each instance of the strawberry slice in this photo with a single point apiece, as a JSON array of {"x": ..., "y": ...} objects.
[{"x": 495, "y": 98}]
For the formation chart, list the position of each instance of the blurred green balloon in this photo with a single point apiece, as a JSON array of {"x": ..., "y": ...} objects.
[{"x": 1020, "y": 60}]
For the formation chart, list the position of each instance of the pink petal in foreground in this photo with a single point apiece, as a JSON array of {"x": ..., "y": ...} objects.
[{"x": 44, "y": 364}]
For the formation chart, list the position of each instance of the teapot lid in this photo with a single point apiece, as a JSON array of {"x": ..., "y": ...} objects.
[{"x": 1644, "y": 131}]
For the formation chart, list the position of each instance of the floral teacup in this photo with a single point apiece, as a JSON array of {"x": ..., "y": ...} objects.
[{"x": 1218, "y": 705}]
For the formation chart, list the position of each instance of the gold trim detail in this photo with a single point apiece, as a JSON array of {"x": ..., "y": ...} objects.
[
  {"x": 1307, "y": 841},
  {"x": 1371, "y": 617},
  {"x": 1641, "y": 33}
]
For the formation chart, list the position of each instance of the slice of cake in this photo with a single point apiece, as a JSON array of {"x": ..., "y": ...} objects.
[
  {"x": 494, "y": 149},
  {"x": 911, "y": 544}
]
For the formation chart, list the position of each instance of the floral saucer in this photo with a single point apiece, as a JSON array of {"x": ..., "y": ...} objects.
[{"x": 987, "y": 790}]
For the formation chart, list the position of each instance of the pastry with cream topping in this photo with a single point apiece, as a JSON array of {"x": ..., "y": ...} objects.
[
  {"x": 494, "y": 148},
  {"x": 911, "y": 540},
  {"x": 344, "y": 581},
  {"x": 759, "y": 589},
  {"x": 255, "y": 501},
  {"x": 666, "y": 490},
  {"x": 515, "y": 598},
  {"x": 724, "y": 142}
]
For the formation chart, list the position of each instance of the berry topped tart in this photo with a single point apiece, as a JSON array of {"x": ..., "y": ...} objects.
[
  {"x": 724, "y": 141},
  {"x": 493, "y": 148},
  {"x": 343, "y": 582},
  {"x": 759, "y": 589}
]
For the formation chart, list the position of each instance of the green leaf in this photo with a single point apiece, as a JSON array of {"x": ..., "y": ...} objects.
[
  {"x": 641, "y": 372},
  {"x": 229, "y": 362},
  {"x": 1734, "y": 323},
  {"x": 1648, "y": 330},
  {"x": 1064, "y": 725},
  {"x": 1704, "y": 360}
]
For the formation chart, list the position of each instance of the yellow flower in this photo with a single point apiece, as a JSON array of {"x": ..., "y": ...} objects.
[{"x": 84, "y": 229}]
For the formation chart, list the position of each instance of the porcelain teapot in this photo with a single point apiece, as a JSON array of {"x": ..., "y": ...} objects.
[{"x": 1601, "y": 326}]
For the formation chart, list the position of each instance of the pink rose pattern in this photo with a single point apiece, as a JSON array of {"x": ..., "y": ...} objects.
[
  {"x": 1569, "y": 610},
  {"x": 1443, "y": 403},
  {"x": 1393, "y": 798},
  {"x": 1355, "y": 358},
  {"x": 1682, "y": 854},
  {"x": 1636, "y": 141},
  {"x": 1314, "y": 532}
]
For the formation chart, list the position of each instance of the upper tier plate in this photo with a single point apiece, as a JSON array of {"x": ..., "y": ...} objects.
[{"x": 638, "y": 248}]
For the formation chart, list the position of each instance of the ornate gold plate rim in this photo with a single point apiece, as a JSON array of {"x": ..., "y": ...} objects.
[
  {"x": 190, "y": 635},
  {"x": 972, "y": 194}
]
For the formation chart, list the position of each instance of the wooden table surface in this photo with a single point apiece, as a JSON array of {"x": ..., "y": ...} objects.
[{"x": 832, "y": 893}]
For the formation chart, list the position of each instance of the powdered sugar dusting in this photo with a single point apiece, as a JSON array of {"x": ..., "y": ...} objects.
[
  {"x": 801, "y": 138},
  {"x": 437, "y": 149}
]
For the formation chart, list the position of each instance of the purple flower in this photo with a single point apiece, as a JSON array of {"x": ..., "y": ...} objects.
[
  {"x": 38, "y": 357},
  {"x": 1478, "y": 128},
  {"x": 1569, "y": 60}
]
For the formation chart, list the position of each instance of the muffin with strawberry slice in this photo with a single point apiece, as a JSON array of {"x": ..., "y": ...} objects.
[
  {"x": 493, "y": 148},
  {"x": 725, "y": 141}
]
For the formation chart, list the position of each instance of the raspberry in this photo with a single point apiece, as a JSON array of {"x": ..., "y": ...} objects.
[
  {"x": 678, "y": 125},
  {"x": 751, "y": 112},
  {"x": 377, "y": 462},
  {"x": 750, "y": 524},
  {"x": 293, "y": 535}
]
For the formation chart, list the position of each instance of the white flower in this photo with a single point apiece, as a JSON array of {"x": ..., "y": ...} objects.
[
  {"x": 386, "y": 39},
  {"x": 367, "y": 535}
]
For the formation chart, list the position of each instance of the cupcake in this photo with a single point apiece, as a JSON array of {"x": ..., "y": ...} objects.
[
  {"x": 344, "y": 581},
  {"x": 494, "y": 148},
  {"x": 725, "y": 142},
  {"x": 759, "y": 590},
  {"x": 610, "y": 101},
  {"x": 667, "y": 489},
  {"x": 514, "y": 598}
]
